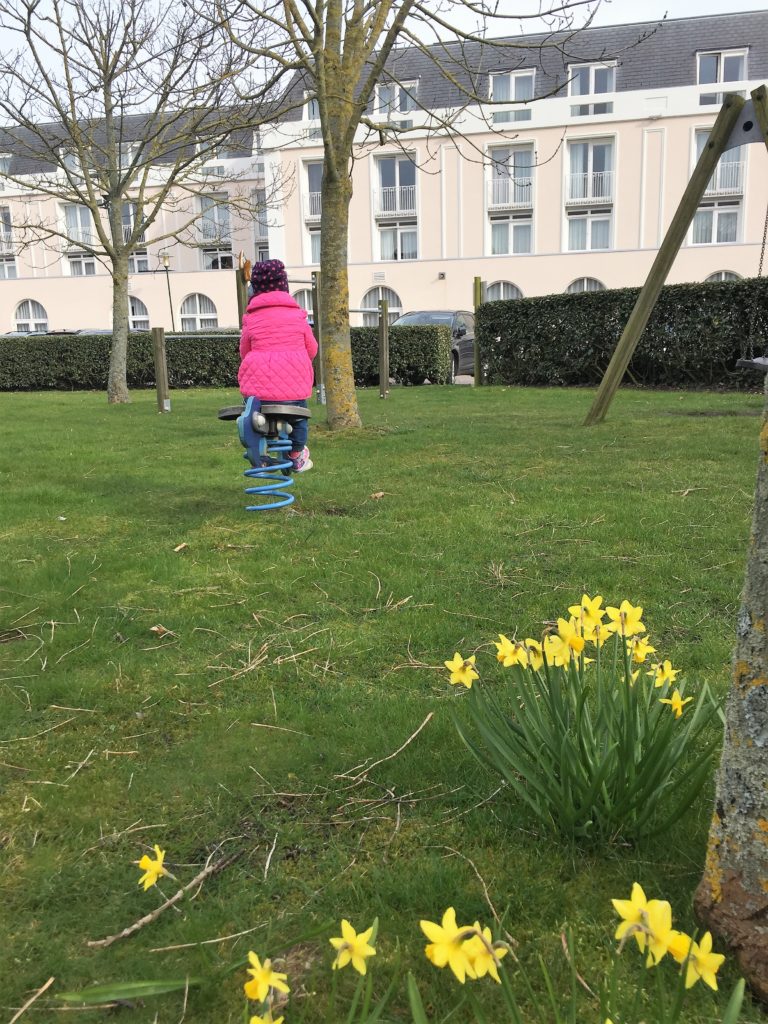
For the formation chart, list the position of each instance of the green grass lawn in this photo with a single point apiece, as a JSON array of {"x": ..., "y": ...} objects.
[{"x": 306, "y": 642}]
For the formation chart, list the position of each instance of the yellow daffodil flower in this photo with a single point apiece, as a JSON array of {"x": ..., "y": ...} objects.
[
  {"x": 482, "y": 953},
  {"x": 589, "y": 613},
  {"x": 269, "y": 1019},
  {"x": 626, "y": 619},
  {"x": 662, "y": 672},
  {"x": 639, "y": 649},
  {"x": 703, "y": 963},
  {"x": 263, "y": 978},
  {"x": 600, "y": 633},
  {"x": 352, "y": 948},
  {"x": 462, "y": 670},
  {"x": 649, "y": 921},
  {"x": 510, "y": 652},
  {"x": 446, "y": 945},
  {"x": 556, "y": 650},
  {"x": 676, "y": 702},
  {"x": 535, "y": 653},
  {"x": 679, "y": 945},
  {"x": 152, "y": 869},
  {"x": 569, "y": 633}
]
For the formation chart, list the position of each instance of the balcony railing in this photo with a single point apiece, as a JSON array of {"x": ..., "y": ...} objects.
[
  {"x": 313, "y": 206},
  {"x": 596, "y": 187},
  {"x": 7, "y": 246},
  {"x": 510, "y": 193},
  {"x": 395, "y": 201},
  {"x": 128, "y": 230},
  {"x": 79, "y": 236},
  {"x": 728, "y": 179},
  {"x": 214, "y": 231}
]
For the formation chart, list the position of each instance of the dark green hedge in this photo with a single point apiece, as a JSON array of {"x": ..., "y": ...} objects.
[
  {"x": 79, "y": 362},
  {"x": 692, "y": 340}
]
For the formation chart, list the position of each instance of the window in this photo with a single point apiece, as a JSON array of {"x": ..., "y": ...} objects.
[
  {"x": 397, "y": 181},
  {"x": 511, "y": 182},
  {"x": 218, "y": 259},
  {"x": 138, "y": 262},
  {"x": 138, "y": 318},
  {"x": 511, "y": 234},
  {"x": 398, "y": 241},
  {"x": 591, "y": 80},
  {"x": 311, "y": 107},
  {"x": 722, "y": 275},
  {"x": 314, "y": 245},
  {"x": 261, "y": 225},
  {"x": 31, "y": 316},
  {"x": 719, "y": 66},
  {"x": 716, "y": 224},
  {"x": 585, "y": 284},
  {"x": 502, "y": 290},
  {"x": 77, "y": 224},
  {"x": 371, "y": 301},
  {"x": 396, "y": 98},
  {"x": 198, "y": 313},
  {"x": 6, "y": 232},
  {"x": 728, "y": 178},
  {"x": 214, "y": 218},
  {"x": 262, "y": 252},
  {"x": 512, "y": 87},
  {"x": 128, "y": 151},
  {"x": 7, "y": 268},
  {"x": 314, "y": 198},
  {"x": 129, "y": 212},
  {"x": 5, "y": 166},
  {"x": 81, "y": 264},
  {"x": 69, "y": 161},
  {"x": 589, "y": 229},
  {"x": 304, "y": 299},
  {"x": 591, "y": 172}
]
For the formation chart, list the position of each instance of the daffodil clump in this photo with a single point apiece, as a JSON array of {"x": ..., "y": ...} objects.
[
  {"x": 468, "y": 950},
  {"x": 588, "y": 726}
]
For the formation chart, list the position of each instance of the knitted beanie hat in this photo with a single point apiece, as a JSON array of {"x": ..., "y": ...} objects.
[{"x": 269, "y": 276}]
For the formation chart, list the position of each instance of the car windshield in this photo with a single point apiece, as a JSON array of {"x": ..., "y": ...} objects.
[{"x": 424, "y": 318}]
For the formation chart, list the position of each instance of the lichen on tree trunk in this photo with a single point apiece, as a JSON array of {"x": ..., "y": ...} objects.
[
  {"x": 117, "y": 381},
  {"x": 732, "y": 897}
]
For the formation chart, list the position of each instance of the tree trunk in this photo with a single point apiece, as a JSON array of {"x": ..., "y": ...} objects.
[
  {"x": 117, "y": 382},
  {"x": 334, "y": 303},
  {"x": 732, "y": 897}
]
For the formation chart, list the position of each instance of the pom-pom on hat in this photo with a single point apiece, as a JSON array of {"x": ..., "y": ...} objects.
[{"x": 269, "y": 276}]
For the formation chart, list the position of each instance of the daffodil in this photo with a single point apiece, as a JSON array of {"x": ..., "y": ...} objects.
[
  {"x": 676, "y": 702},
  {"x": 662, "y": 672},
  {"x": 266, "y": 1020},
  {"x": 679, "y": 946},
  {"x": 588, "y": 612},
  {"x": 510, "y": 652},
  {"x": 556, "y": 650},
  {"x": 152, "y": 869},
  {"x": 570, "y": 633},
  {"x": 626, "y": 619},
  {"x": 703, "y": 963},
  {"x": 352, "y": 948},
  {"x": 535, "y": 653},
  {"x": 600, "y": 633},
  {"x": 446, "y": 945},
  {"x": 482, "y": 953},
  {"x": 462, "y": 670},
  {"x": 639, "y": 649},
  {"x": 263, "y": 979},
  {"x": 649, "y": 921}
]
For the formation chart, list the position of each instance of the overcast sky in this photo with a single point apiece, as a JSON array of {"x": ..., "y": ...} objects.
[{"x": 617, "y": 12}]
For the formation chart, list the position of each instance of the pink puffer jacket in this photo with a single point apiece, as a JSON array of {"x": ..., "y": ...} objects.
[{"x": 277, "y": 347}]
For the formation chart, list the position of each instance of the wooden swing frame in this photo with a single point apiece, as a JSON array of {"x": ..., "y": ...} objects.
[{"x": 739, "y": 123}]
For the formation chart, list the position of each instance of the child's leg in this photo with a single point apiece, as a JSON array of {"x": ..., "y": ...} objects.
[{"x": 300, "y": 431}]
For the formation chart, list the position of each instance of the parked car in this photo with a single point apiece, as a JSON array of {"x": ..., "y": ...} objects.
[{"x": 462, "y": 326}]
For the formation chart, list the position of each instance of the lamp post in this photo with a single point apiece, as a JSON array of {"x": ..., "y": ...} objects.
[{"x": 166, "y": 267}]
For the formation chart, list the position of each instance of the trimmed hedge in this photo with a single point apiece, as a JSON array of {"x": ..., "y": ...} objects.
[
  {"x": 75, "y": 362},
  {"x": 692, "y": 340}
]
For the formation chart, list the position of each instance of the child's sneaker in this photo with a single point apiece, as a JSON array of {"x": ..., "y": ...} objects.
[{"x": 301, "y": 461}]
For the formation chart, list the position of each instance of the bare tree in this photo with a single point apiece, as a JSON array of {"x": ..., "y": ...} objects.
[
  {"x": 117, "y": 108},
  {"x": 341, "y": 50}
]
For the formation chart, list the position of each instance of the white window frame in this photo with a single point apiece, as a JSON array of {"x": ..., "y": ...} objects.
[
  {"x": 519, "y": 192},
  {"x": 401, "y": 227},
  {"x": 718, "y": 207},
  {"x": 591, "y": 215},
  {"x": 217, "y": 215},
  {"x": 36, "y": 320},
  {"x": 5, "y": 166},
  {"x": 311, "y": 109},
  {"x": 313, "y": 238},
  {"x": 8, "y": 268},
  {"x": 84, "y": 232},
  {"x": 508, "y": 291},
  {"x": 395, "y": 309},
  {"x": 716, "y": 98},
  {"x": 520, "y": 109},
  {"x": 304, "y": 299},
  {"x": 721, "y": 276},
  {"x": 138, "y": 262},
  {"x": 202, "y": 319},
  {"x": 512, "y": 220},
  {"x": 212, "y": 253},
  {"x": 579, "y": 286},
  {"x": 85, "y": 260},
  {"x": 137, "y": 320},
  {"x": 404, "y": 98},
  {"x": 593, "y": 66}
]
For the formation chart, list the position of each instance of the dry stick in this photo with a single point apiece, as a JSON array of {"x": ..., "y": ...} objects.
[
  {"x": 31, "y": 1000},
  {"x": 364, "y": 772},
  {"x": 149, "y": 918},
  {"x": 488, "y": 900}
]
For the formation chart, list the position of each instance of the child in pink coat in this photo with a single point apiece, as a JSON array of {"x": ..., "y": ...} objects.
[{"x": 277, "y": 347}]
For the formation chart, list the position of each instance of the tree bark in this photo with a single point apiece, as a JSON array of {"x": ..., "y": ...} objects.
[
  {"x": 334, "y": 302},
  {"x": 732, "y": 896},
  {"x": 117, "y": 382}
]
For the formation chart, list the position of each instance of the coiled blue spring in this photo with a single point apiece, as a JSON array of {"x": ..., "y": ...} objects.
[{"x": 272, "y": 479}]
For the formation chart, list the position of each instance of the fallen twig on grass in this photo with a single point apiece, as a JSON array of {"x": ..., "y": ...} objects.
[
  {"x": 356, "y": 779},
  {"x": 31, "y": 1000},
  {"x": 212, "y": 869},
  {"x": 481, "y": 880}
]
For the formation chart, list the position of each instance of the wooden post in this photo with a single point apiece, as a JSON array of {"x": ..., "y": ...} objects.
[
  {"x": 477, "y": 297},
  {"x": 383, "y": 348},
  {"x": 649, "y": 294},
  {"x": 760, "y": 100},
  {"x": 161, "y": 370},
  {"x": 241, "y": 286},
  {"x": 318, "y": 329}
]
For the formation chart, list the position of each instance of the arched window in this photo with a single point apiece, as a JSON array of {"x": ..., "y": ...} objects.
[
  {"x": 138, "y": 319},
  {"x": 371, "y": 301},
  {"x": 304, "y": 299},
  {"x": 585, "y": 284},
  {"x": 198, "y": 313},
  {"x": 722, "y": 275},
  {"x": 502, "y": 290},
  {"x": 31, "y": 316}
]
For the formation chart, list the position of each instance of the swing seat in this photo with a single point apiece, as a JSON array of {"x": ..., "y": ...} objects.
[{"x": 756, "y": 363}]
